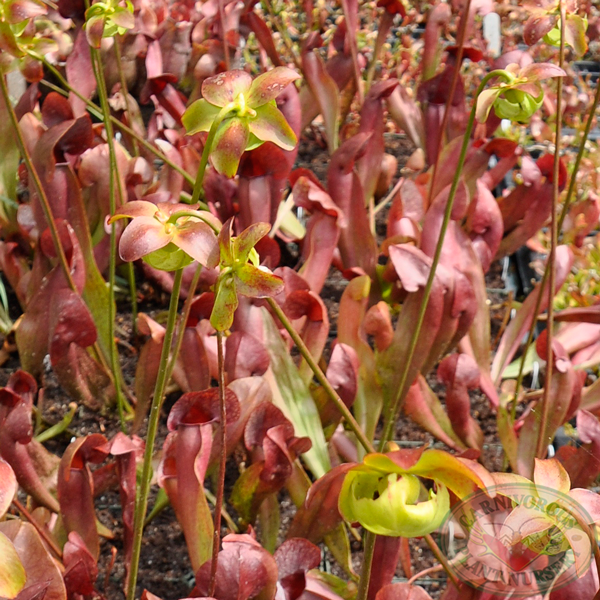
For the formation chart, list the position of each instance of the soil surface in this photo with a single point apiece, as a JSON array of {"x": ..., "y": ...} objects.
[{"x": 165, "y": 568}]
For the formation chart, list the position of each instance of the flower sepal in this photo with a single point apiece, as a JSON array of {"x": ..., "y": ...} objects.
[{"x": 245, "y": 112}]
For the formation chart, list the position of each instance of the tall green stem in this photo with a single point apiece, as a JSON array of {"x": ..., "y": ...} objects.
[
  {"x": 159, "y": 390},
  {"x": 114, "y": 175},
  {"x": 321, "y": 378},
  {"x": 563, "y": 215},
  {"x": 393, "y": 407},
  {"x": 529, "y": 341},
  {"x": 365, "y": 574},
  {"x": 543, "y": 440},
  {"x": 578, "y": 158},
  {"x": 223, "y": 113},
  {"x": 165, "y": 370},
  {"x": 222, "y": 464}
]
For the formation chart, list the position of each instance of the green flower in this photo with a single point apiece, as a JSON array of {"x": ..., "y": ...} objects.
[
  {"x": 519, "y": 95},
  {"x": 385, "y": 495},
  {"x": 249, "y": 112},
  {"x": 237, "y": 275},
  {"x": 389, "y": 504},
  {"x": 575, "y": 29}
]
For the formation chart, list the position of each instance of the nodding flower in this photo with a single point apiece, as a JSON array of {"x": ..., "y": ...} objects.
[
  {"x": 386, "y": 496},
  {"x": 246, "y": 113},
  {"x": 518, "y": 94},
  {"x": 168, "y": 236},
  {"x": 240, "y": 273}
]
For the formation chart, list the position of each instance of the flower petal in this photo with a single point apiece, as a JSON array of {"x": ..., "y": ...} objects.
[
  {"x": 269, "y": 85},
  {"x": 142, "y": 236},
  {"x": 539, "y": 71},
  {"x": 485, "y": 101},
  {"x": 271, "y": 126},
  {"x": 226, "y": 301},
  {"x": 224, "y": 88},
  {"x": 388, "y": 504},
  {"x": 134, "y": 209},
  {"x": 199, "y": 116},
  {"x": 244, "y": 242},
  {"x": 551, "y": 474},
  {"x": 123, "y": 18},
  {"x": 94, "y": 30},
  {"x": 196, "y": 239},
  {"x": 254, "y": 282},
  {"x": 225, "y": 249},
  {"x": 229, "y": 145}
]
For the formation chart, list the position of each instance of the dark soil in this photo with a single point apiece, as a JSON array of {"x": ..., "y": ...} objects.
[{"x": 165, "y": 568}]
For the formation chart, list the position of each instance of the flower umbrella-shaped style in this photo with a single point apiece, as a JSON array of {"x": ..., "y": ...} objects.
[
  {"x": 519, "y": 94},
  {"x": 238, "y": 276},
  {"x": 248, "y": 113},
  {"x": 167, "y": 236}
]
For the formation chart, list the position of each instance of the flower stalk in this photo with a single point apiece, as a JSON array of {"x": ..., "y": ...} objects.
[
  {"x": 393, "y": 407},
  {"x": 543, "y": 441},
  {"x": 144, "y": 488},
  {"x": 165, "y": 371},
  {"x": 222, "y": 465},
  {"x": 112, "y": 266},
  {"x": 321, "y": 378}
]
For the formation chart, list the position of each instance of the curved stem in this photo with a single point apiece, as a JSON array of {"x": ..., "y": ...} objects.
[
  {"x": 159, "y": 389},
  {"x": 321, "y": 378},
  {"x": 112, "y": 201},
  {"x": 222, "y": 464},
  {"x": 424, "y": 573},
  {"x": 198, "y": 183},
  {"x": 37, "y": 184},
  {"x": 393, "y": 407},
  {"x": 543, "y": 439}
]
